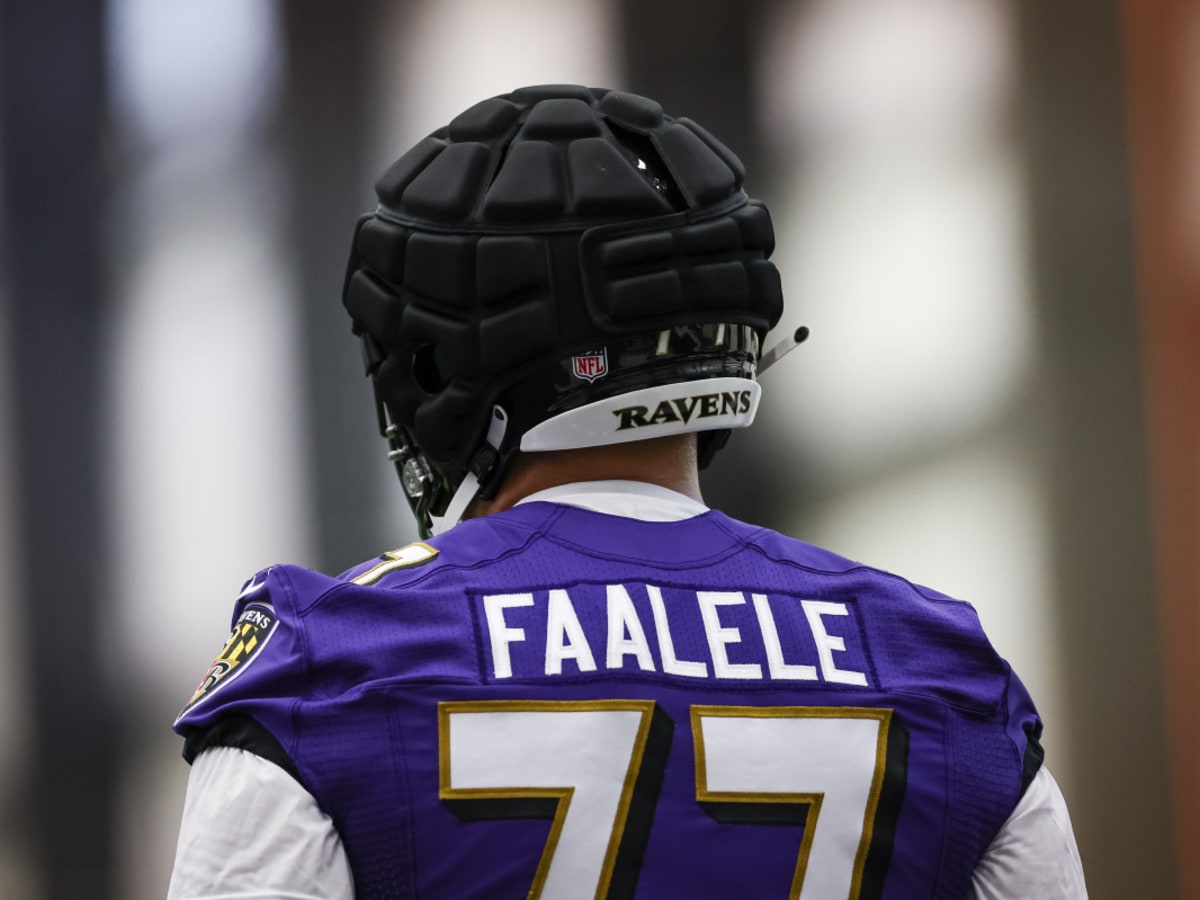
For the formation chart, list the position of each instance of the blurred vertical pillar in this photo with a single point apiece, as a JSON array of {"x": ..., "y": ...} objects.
[
  {"x": 52, "y": 79},
  {"x": 1162, "y": 39},
  {"x": 1080, "y": 231},
  {"x": 698, "y": 59},
  {"x": 325, "y": 113}
]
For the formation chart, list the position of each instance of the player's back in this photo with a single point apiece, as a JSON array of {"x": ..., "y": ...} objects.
[{"x": 560, "y": 703}]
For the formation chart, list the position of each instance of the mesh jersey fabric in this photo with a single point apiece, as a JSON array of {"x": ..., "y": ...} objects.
[{"x": 356, "y": 683}]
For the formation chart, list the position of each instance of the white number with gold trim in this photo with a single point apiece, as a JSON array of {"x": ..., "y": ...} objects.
[
  {"x": 592, "y": 767},
  {"x": 825, "y": 764}
]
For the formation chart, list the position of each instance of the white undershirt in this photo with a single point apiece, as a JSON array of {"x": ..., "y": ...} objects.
[{"x": 251, "y": 832}]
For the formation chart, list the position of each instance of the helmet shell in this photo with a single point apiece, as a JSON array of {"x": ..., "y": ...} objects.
[{"x": 534, "y": 226}]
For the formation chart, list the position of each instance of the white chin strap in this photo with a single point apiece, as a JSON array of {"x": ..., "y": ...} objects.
[
  {"x": 470, "y": 485},
  {"x": 780, "y": 350}
]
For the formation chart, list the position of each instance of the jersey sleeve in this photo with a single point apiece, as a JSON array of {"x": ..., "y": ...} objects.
[
  {"x": 1024, "y": 727},
  {"x": 936, "y": 645},
  {"x": 250, "y": 689}
]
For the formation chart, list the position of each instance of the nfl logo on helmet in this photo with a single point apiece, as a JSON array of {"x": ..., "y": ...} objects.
[{"x": 590, "y": 366}]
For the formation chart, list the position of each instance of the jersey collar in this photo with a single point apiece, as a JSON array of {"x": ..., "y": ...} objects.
[{"x": 629, "y": 499}]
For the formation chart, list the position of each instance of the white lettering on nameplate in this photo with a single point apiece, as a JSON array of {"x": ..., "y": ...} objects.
[{"x": 640, "y": 628}]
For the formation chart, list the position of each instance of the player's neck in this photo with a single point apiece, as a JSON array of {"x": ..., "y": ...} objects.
[{"x": 668, "y": 462}]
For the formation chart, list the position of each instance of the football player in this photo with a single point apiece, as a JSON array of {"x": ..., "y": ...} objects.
[{"x": 584, "y": 682}]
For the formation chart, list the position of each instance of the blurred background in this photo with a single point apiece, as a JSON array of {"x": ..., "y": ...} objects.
[{"x": 988, "y": 213}]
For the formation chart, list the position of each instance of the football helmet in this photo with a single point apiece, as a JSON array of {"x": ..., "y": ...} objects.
[{"x": 558, "y": 267}]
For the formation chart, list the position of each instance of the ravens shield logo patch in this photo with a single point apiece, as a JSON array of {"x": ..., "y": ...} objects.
[{"x": 251, "y": 632}]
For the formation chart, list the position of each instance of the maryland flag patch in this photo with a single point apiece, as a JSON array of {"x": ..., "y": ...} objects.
[{"x": 251, "y": 632}]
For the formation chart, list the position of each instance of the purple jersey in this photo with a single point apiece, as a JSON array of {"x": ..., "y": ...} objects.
[{"x": 552, "y": 702}]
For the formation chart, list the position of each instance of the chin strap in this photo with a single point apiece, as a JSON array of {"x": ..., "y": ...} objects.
[
  {"x": 787, "y": 345},
  {"x": 481, "y": 467}
]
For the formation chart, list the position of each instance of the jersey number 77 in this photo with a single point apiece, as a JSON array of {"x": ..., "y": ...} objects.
[{"x": 594, "y": 767}]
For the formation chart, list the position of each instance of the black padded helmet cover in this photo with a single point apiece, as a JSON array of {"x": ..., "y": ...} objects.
[{"x": 537, "y": 225}]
